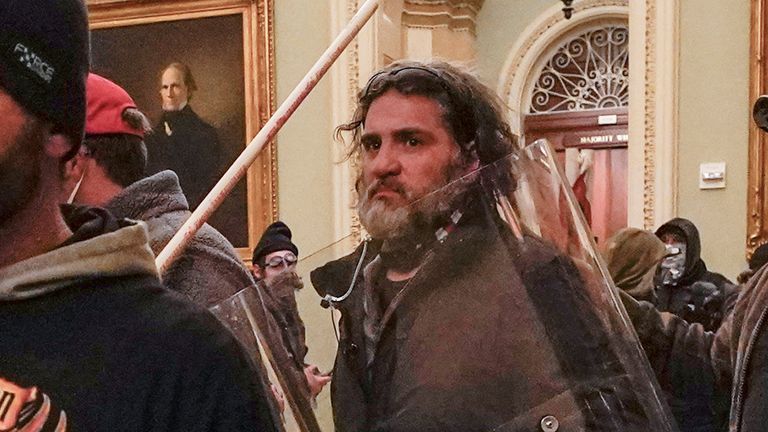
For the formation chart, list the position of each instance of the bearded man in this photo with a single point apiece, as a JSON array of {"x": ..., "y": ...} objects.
[
  {"x": 448, "y": 321},
  {"x": 274, "y": 269}
]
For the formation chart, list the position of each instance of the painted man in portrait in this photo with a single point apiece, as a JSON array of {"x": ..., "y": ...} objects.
[{"x": 182, "y": 141}]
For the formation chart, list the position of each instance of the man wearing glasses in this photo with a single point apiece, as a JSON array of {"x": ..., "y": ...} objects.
[{"x": 274, "y": 268}]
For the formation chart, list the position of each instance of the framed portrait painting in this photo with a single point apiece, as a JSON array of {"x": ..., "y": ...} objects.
[{"x": 202, "y": 71}]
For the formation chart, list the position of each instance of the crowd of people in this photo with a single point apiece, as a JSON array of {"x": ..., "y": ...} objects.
[
  {"x": 666, "y": 270},
  {"x": 454, "y": 316}
]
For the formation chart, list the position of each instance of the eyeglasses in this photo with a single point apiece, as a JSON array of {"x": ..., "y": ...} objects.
[
  {"x": 378, "y": 79},
  {"x": 286, "y": 260}
]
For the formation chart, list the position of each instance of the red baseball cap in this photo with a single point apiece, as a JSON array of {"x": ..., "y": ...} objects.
[{"x": 105, "y": 103}]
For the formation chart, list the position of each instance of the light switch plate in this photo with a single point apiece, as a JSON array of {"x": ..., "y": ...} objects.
[{"x": 712, "y": 175}]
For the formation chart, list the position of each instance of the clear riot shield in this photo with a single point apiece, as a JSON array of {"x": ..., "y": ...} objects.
[
  {"x": 247, "y": 318},
  {"x": 509, "y": 323}
]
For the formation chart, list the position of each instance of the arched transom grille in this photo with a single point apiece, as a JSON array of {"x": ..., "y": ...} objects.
[{"x": 590, "y": 71}]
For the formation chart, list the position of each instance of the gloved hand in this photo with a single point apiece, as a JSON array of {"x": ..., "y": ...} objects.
[{"x": 705, "y": 305}]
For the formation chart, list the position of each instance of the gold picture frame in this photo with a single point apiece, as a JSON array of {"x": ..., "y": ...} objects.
[
  {"x": 255, "y": 20},
  {"x": 757, "y": 231}
]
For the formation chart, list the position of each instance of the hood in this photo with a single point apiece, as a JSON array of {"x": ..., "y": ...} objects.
[
  {"x": 101, "y": 246},
  {"x": 630, "y": 254},
  {"x": 149, "y": 197},
  {"x": 694, "y": 265}
]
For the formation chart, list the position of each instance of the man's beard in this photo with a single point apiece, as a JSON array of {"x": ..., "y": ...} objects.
[
  {"x": 20, "y": 171},
  {"x": 426, "y": 209},
  {"x": 283, "y": 288}
]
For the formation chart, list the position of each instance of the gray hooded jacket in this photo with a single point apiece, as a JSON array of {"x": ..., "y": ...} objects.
[
  {"x": 209, "y": 270},
  {"x": 92, "y": 341}
]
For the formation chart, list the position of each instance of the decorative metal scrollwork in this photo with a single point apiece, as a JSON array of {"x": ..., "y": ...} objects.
[{"x": 590, "y": 71}]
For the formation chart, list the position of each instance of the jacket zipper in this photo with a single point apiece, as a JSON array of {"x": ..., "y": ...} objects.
[{"x": 743, "y": 372}]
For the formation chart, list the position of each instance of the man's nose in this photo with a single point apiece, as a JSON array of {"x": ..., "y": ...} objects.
[{"x": 386, "y": 162}]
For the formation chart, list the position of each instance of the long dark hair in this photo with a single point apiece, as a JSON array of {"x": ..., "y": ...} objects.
[{"x": 472, "y": 112}]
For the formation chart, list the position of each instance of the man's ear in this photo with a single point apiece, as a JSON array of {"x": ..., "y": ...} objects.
[
  {"x": 257, "y": 272},
  {"x": 74, "y": 168}
]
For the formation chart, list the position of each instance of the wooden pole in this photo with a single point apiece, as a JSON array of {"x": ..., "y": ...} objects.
[{"x": 238, "y": 169}]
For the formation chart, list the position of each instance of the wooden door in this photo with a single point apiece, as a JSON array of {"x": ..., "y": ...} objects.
[{"x": 592, "y": 146}]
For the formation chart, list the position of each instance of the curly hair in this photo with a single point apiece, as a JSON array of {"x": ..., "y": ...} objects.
[{"x": 472, "y": 112}]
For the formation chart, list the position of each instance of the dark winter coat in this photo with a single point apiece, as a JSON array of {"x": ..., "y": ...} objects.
[
  {"x": 490, "y": 334},
  {"x": 690, "y": 298},
  {"x": 184, "y": 143},
  {"x": 286, "y": 328},
  {"x": 209, "y": 269},
  {"x": 92, "y": 342},
  {"x": 691, "y": 361}
]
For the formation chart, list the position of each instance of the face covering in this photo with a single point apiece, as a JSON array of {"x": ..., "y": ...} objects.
[{"x": 673, "y": 266}]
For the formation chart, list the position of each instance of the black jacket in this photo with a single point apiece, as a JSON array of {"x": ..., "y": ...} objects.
[
  {"x": 700, "y": 295},
  {"x": 690, "y": 361},
  {"x": 184, "y": 143}
]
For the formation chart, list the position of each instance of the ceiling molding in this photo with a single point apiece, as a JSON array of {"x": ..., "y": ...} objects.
[{"x": 457, "y": 15}]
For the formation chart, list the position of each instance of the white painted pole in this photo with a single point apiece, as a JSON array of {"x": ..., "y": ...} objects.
[{"x": 238, "y": 169}]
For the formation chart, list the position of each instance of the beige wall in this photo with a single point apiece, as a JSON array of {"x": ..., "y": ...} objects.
[
  {"x": 713, "y": 109},
  {"x": 714, "y": 116},
  {"x": 499, "y": 24},
  {"x": 302, "y": 32}
]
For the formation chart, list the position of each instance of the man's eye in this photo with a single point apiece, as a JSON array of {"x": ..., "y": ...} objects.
[
  {"x": 413, "y": 142},
  {"x": 371, "y": 145}
]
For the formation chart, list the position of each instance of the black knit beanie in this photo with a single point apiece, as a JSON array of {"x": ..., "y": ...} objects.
[
  {"x": 277, "y": 237},
  {"x": 44, "y": 60}
]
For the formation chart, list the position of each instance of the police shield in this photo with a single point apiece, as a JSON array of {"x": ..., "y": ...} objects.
[
  {"x": 488, "y": 309},
  {"x": 249, "y": 320}
]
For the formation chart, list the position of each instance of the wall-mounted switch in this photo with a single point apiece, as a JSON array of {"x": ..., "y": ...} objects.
[{"x": 712, "y": 175}]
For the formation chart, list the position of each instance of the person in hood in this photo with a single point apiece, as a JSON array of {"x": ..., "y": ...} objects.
[
  {"x": 90, "y": 338},
  {"x": 729, "y": 366},
  {"x": 683, "y": 284},
  {"x": 632, "y": 256},
  {"x": 756, "y": 261}
]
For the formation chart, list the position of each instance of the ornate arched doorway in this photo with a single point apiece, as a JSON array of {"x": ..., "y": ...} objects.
[{"x": 578, "y": 100}]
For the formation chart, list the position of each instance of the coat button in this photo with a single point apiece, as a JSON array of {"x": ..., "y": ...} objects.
[
  {"x": 352, "y": 349},
  {"x": 549, "y": 424}
]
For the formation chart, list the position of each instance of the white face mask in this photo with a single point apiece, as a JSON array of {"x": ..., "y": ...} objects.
[
  {"x": 673, "y": 266},
  {"x": 76, "y": 189}
]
